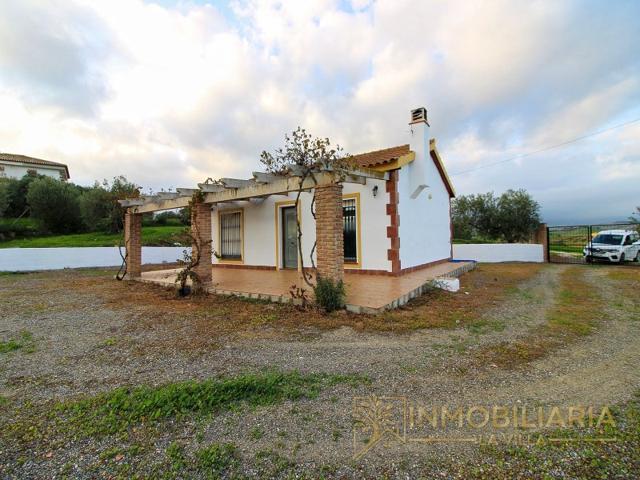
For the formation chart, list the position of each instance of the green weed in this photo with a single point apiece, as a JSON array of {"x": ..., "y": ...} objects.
[
  {"x": 24, "y": 342},
  {"x": 118, "y": 409}
]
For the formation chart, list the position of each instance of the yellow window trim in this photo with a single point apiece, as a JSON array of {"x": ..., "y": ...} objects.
[
  {"x": 358, "y": 263},
  {"x": 227, "y": 212},
  {"x": 278, "y": 229}
]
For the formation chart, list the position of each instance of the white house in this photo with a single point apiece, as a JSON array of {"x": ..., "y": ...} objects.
[
  {"x": 17, "y": 166},
  {"x": 390, "y": 217},
  {"x": 391, "y": 225}
]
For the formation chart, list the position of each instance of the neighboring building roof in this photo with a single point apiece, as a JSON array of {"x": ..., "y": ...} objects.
[
  {"x": 391, "y": 158},
  {"x": 380, "y": 157},
  {"x": 10, "y": 157}
]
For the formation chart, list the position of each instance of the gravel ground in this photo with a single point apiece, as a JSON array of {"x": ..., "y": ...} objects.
[{"x": 85, "y": 343}]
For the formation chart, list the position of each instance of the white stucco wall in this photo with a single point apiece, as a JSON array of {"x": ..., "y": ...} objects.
[
  {"x": 12, "y": 170},
  {"x": 30, "y": 259},
  {"x": 499, "y": 252},
  {"x": 425, "y": 231},
  {"x": 261, "y": 224}
]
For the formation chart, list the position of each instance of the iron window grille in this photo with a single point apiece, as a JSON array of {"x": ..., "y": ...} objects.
[
  {"x": 231, "y": 236},
  {"x": 349, "y": 223}
]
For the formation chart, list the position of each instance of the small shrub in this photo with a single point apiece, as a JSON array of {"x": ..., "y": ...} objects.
[
  {"x": 11, "y": 228},
  {"x": 329, "y": 294}
]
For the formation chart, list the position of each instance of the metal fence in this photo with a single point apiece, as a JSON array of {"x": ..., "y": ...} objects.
[{"x": 616, "y": 243}]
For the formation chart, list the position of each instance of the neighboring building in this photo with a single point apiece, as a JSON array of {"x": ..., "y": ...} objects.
[
  {"x": 394, "y": 217},
  {"x": 17, "y": 166}
]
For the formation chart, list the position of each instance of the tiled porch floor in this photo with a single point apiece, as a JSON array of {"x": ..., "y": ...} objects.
[{"x": 364, "y": 292}]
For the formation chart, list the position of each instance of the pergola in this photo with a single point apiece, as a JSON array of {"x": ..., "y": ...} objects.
[{"x": 327, "y": 187}]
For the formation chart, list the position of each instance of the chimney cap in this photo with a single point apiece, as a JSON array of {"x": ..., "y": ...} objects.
[{"x": 419, "y": 115}]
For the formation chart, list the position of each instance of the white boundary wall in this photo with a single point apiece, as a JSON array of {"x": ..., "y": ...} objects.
[
  {"x": 499, "y": 252},
  {"x": 30, "y": 259}
]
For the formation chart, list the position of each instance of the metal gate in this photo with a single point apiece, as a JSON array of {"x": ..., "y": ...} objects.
[{"x": 616, "y": 244}]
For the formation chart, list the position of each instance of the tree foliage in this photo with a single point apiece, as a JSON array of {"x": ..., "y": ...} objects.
[
  {"x": 512, "y": 217},
  {"x": 17, "y": 195},
  {"x": 4, "y": 196},
  {"x": 63, "y": 207},
  {"x": 95, "y": 208},
  {"x": 55, "y": 204},
  {"x": 99, "y": 204}
]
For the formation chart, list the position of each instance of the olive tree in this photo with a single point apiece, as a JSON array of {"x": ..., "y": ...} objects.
[
  {"x": 512, "y": 217},
  {"x": 518, "y": 215},
  {"x": 55, "y": 204}
]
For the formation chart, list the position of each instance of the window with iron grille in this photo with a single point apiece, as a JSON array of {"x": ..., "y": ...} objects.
[
  {"x": 231, "y": 235},
  {"x": 350, "y": 228}
]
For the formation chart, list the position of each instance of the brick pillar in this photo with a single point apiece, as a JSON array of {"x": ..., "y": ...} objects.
[
  {"x": 201, "y": 228},
  {"x": 541, "y": 238},
  {"x": 393, "y": 229},
  {"x": 133, "y": 243},
  {"x": 329, "y": 232}
]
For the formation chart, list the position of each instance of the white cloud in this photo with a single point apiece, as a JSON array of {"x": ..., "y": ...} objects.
[{"x": 170, "y": 96}]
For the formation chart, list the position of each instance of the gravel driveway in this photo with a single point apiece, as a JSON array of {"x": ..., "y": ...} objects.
[{"x": 84, "y": 339}]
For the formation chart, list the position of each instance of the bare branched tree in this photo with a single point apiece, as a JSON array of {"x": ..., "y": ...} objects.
[
  {"x": 303, "y": 156},
  {"x": 190, "y": 261}
]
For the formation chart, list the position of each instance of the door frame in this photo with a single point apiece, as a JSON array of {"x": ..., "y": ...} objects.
[{"x": 278, "y": 231}]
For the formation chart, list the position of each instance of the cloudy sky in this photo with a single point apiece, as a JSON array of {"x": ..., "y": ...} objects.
[{"x": 169, "y": 93}]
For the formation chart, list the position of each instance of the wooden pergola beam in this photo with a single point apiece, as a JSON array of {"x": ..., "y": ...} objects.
[{"x": 215, "y": 193}]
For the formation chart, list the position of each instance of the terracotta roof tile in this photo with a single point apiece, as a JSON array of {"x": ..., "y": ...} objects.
[{"x": 380, "y": 157}]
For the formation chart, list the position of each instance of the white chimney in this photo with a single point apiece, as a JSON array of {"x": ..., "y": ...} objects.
[{"x": 419, "y": 144}]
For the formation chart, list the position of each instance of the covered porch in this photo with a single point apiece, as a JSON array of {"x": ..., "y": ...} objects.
[{"x": 365, "y": 293}]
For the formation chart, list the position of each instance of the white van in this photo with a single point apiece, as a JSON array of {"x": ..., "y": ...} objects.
[{"x": 614, "y": 246}]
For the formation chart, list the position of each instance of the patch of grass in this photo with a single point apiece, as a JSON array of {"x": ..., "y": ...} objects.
[
  {"x": 482, "y": 326},
  {"x": 265, "y": 318},
  {"x": 151, "y": 236},
  {"x": 176, "y": 457},
  {"x": 117, "y": 410},
  {"x": 576, "y": 312},
  {"x": 521, "y": 292},
  {"x": 24, "y": 342},
  {"x": 624, "y": 274},
  {"x": 273, "y": 462},
  {"x": 110, "y": 453},
  {"x": 481, "y": 289},
  {"x": 109, "y": 342},
  {"x": 217, "y": 458},
  {"x": 256, "y": 433}
]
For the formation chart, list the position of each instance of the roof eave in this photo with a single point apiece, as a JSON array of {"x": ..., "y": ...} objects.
[{"x": 435, "y": 155}]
